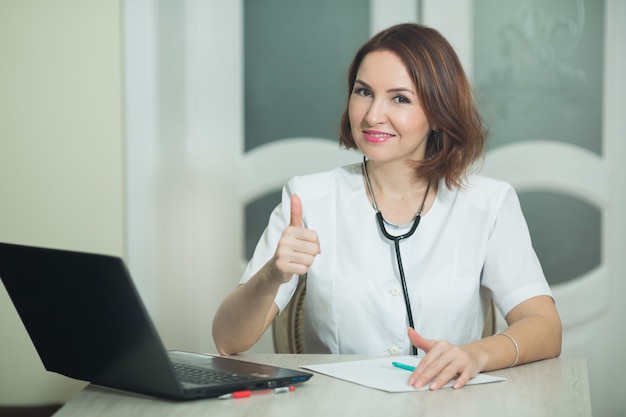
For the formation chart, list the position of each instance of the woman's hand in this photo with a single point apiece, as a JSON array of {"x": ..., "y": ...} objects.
[
  {"x": 297, "y": 247},
  {"x": 442, "y": 363}
]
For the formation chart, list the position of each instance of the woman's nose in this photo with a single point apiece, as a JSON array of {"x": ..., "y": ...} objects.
[{"x": 376, "y": 113}]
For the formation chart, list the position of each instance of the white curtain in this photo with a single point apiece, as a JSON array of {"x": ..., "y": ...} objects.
[{"x": 183, "y": 139}]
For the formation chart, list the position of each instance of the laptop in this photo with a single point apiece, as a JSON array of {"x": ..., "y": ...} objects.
[{"x": 87, "y": 321}]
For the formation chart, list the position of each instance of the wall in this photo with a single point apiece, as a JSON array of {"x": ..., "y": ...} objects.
[{"x": 61, "y": 160}]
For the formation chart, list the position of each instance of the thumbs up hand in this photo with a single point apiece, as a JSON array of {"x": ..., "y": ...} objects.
[{"x": 297, "y": 247}]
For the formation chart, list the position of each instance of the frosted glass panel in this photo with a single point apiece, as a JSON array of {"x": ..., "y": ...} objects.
[
  {"x": 538, "y": 70},
  {"x": 296, "y": 60},
  {"x": 565, "y": 233},
  {"x": 257, "y": 213}
]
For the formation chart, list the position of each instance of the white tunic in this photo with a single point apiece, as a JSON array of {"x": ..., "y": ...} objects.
[{"x": 469, "y": 238}]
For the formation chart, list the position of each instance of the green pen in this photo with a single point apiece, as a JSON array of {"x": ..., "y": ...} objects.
[{"x": 403, "y": 366}]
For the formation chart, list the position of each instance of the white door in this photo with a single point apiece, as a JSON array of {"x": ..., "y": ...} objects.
[{"x": 554, "y": 74}]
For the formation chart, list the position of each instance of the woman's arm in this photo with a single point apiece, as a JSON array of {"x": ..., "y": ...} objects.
[
  {"x": 247, "y": 312},
  {"x": 534, "y": 325}
]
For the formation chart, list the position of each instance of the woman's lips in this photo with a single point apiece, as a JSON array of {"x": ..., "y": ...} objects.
[{"x": 375, "y": 136}]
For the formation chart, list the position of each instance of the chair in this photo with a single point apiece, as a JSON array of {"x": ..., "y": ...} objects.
[
  {"x": 489, "y": 311},
  {"x": 288, "y": 326}
]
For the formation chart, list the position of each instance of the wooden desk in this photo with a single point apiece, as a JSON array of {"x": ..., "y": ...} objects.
[{"x": 555, "y": 387}]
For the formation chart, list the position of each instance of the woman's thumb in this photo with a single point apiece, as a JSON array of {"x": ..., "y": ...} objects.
[{"x": 296, "y": 211}]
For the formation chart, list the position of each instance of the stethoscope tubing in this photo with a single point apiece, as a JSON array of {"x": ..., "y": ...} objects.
[{"x": 396, "y": 241}]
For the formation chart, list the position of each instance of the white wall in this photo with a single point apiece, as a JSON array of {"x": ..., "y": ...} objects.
[{"x": 61, "y": 166}]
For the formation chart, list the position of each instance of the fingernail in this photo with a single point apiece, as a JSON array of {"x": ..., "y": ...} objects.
[
  {"x": 419, "y": 383},
  {"x": 433, "y": 386},
  {"x": 412, "y": 381}
]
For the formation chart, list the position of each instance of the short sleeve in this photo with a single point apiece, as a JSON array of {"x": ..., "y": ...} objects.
[{"x": 512, "y": 270}]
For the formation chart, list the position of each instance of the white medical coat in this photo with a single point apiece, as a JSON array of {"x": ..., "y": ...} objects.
[{"x": 471, "y": 237}]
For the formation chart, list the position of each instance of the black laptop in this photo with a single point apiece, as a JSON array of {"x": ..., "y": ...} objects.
[{"x": 87, "y": 321}]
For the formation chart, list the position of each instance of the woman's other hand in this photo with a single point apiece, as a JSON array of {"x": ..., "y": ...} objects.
[{"x": 443, "y": 362}]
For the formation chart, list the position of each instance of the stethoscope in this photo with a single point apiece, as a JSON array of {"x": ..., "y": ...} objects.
[{"x": 396, "y": 240}]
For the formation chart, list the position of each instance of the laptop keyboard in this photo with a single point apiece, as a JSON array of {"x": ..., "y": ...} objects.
[{"x": 201, "y": 376}]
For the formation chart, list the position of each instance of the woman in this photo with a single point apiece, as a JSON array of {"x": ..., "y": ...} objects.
[{"x": 411, "y": 113}]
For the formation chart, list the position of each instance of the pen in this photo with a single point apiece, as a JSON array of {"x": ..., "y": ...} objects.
[
  {"x": 403, "y": 366},
  {"x": 248, "y": 393}
]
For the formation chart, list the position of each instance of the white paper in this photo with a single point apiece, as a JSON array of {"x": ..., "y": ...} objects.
[{"x": 382, "y": 375}]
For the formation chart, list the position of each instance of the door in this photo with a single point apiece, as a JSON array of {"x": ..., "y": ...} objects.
[{"x": 547, "y": 79}]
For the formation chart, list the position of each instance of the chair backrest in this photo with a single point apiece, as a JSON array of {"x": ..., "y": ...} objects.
[
  {"x": 288, "y": 326},
  {"x": 489, "y": 312}
]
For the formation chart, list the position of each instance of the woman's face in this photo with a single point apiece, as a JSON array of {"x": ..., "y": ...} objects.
[{"x": 387, "y": 120}]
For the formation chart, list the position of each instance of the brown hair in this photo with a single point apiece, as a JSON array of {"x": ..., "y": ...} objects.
[{"x": 458, "y": 136}]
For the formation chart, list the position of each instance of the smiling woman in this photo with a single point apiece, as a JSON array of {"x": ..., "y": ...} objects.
[
  {"x": 411, "y": 113},
  {"x": 442, "y": 94}
]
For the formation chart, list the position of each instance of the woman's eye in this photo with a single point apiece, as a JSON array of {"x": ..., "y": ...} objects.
[
  {"x": 401, "y": 99},
  {"x": 364, "y": 92}
]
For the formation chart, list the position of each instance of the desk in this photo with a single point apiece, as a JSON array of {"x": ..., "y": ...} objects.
[{"x": 554, "y": 387}]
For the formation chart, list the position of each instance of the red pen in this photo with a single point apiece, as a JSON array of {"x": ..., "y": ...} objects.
[{"x": 248, "y": 393}]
